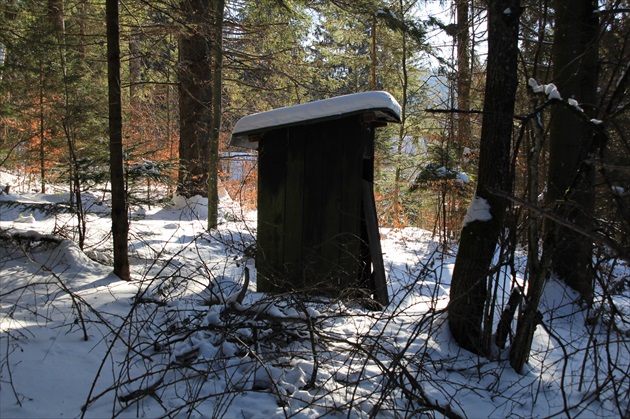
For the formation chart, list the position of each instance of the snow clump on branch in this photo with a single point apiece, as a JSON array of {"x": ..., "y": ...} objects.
[{"x": 548, "y": 89}]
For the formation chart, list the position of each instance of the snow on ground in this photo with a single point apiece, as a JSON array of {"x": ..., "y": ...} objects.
[{"x": 179, "y": 341}]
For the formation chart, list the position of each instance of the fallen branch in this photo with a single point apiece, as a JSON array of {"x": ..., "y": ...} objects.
[
  {"x": 29, "y": 236},
  {"x": 142, "y": 392}
]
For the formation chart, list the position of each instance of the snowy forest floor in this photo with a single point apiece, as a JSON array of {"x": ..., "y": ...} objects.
[{"x": 178, "y": 340}]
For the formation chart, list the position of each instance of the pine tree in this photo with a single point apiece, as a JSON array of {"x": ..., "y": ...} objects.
[{"x": 120, "y": 226}]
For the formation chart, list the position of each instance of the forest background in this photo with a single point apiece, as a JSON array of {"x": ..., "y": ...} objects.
[
  {"x": 520, "y": 107},
  {"x": 274, "y": 54}
]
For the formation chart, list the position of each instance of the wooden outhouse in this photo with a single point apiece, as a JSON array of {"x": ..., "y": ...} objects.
[{"x": 317, "y": 224}]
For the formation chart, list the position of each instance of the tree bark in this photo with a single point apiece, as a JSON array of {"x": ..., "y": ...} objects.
[
  {"x": 134, "y": 68},
  {"x": 56, "y": 21},
  {"x": 373, "y": 55},
  {"x": 397, "y": 215},
  {"x": 120, "y": 226},
  {"x": 42, "y": 131},
  {"x": 217, "y": 83},
  {"x": 56, "y": 15},
  {"x": 571, "y": 175},
  {"x": 464, "y": 131},
  {"x": 479, "y": 238},
  {"x": 195, "y": 97}
]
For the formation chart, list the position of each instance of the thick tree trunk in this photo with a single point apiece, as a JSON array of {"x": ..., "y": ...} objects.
[
  {"x": 195, "y": 100},
  {"x": 120, "y": 227},
  {"x": 571, "y": 176},
  {"x": 479, "y": 237}
]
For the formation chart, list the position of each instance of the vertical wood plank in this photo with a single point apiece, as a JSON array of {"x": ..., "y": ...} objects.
[
  {"x": 333, "y": 174},
  {"x": 294, "y": 214},
  {"x": 312, "y": 219},
  {"x": 366, "y": 277},
  {"x": 271, "y": 210},
  {"x": 350, "y": 214}
]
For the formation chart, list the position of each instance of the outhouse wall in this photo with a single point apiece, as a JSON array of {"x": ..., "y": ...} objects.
[{"x": 309, "y": 205}]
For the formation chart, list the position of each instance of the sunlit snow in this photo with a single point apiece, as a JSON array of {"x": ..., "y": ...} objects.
[{"x": 177, "y": 341}]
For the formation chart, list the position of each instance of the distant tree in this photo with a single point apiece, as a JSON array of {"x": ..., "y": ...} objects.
[
  {"x": 479, "y": 237},
  {"x": 120, "y": 226},
  {"x": 348, "y": 46},
  {"x": 135, "y": 67},
  {"x": 403, "y": 42}
]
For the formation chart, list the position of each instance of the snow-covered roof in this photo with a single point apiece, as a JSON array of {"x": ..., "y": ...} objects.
[{"x": 248, "y": 130}]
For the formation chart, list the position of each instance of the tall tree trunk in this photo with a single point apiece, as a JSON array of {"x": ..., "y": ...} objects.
[
  {"x": 55, "y": 14},
  {"x": 463, "y": 73},
  {"x": 75, "y": 184},
  {"x": 373, "y": 55},
  {"x": 480, "y": 235},
  {"x": 120, "y": 226},
  {"x": 9, "y": 15},
  {"x": 42, "y": 131},
  {"x": 134, "y": 67},
  {"x": 169, "y": 139},
  {"x": 57, "y": 29},
  {"x": 396, "y": 205},
  {"x": 83, "y": 35},
  {"x": 217, "y": 87},
  {"x": 195, "y": 97},
  {"x": 571, "y": 176}
]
